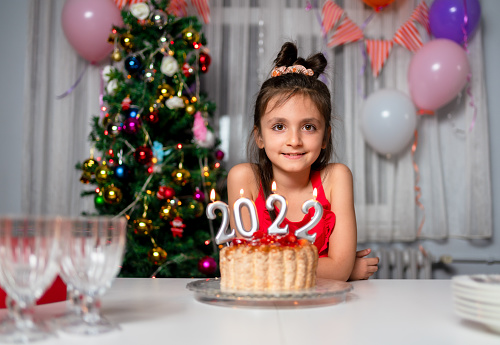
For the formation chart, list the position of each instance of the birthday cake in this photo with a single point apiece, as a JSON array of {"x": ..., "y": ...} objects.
[{"x": 268, "y": 263}]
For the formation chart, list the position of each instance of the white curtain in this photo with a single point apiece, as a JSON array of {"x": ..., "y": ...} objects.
[{"x": 244, "y": 37}]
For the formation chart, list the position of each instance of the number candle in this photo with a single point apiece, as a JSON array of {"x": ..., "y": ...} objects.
[
  {"x": 274, "y": 228},
  {"x": 222, "y": 235},
  {"x": 318, "y": 213},
  {"x": 238, "y": 205}
]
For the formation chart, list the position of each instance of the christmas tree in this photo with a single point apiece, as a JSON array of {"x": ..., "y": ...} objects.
[{"x": 155, "y": 158}]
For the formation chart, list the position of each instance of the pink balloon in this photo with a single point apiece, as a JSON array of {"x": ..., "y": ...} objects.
[
  {"x": 87, "y": 25},
  {"x": 437, "y": 73}
]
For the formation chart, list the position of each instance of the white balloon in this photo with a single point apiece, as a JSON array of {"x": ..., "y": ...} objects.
[{"x": 388, "y": 121}]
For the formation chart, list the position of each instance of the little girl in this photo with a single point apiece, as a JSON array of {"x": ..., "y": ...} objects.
[{"x": 291, "y": 144}]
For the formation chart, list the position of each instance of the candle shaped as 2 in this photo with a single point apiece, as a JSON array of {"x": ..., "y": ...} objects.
[
  {"x": 254, "y": 221},
  {"x": 274, "y": 228},
  {"x": 222, "y": 235},
  {"x": 303, "y": 232}
]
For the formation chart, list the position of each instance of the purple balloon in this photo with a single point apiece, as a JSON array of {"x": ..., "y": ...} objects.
[{"x": 447, "y": 19}]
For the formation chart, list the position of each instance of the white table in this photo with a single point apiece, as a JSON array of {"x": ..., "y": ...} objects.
[{"x": 164, "y": 312}]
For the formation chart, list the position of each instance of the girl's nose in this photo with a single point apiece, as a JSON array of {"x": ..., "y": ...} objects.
[{"x": 294, "y": 138}]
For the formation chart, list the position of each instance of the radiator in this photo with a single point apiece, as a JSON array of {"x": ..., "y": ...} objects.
[{"x": 408, "y": 263}]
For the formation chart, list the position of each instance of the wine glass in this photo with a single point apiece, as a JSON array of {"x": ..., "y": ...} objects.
[
  {"x": 92, "y": 254},
  {"x": 29, "y": 263}
]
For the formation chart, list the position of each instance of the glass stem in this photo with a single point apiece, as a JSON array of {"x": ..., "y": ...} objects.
[
  {"x": 74, "y": 300},
  {"x": 91, "y": 309},
  {"x": 21, "y": 313}
]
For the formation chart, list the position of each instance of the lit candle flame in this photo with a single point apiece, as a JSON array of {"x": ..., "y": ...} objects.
[
  {"x": 241, "y": 193},
  {"x": 212, "y": 195},
  {"x": 315, "y": 193},
  {"x": 273, "y": 187}
]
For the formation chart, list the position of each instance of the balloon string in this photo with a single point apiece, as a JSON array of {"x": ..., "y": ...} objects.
[
  {"x": 472, "y": 103},
  {"x": 365, "y": 56},
  {"x": 70, "y": 90},
  {"x": 417, "y": 187}
]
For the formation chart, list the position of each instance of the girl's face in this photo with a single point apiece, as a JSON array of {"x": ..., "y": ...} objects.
[{"x": 292, "y": 134}]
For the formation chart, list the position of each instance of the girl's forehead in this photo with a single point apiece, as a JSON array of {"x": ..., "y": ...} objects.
[{"x": 283, "y": 104}]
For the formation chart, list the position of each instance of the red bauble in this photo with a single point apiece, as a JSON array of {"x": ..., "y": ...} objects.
[
  {"x": 207, "y": 265},
  {"x": 152, "y": 117},
  {"x": 187, "y": 70},
  {"x": 143, "y": 155},
  {"x": 205, "y": 59},
  {"x": 219, "y": 155},
  {"x": 165, "y": 192}
]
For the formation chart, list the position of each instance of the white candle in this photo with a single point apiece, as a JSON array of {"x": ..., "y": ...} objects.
[
  {"x": 274, "y": 228},
  {"x": 238, "y": 205},
  {"x": 318, "y": 213},
  {"x": 222, "y": 235}
]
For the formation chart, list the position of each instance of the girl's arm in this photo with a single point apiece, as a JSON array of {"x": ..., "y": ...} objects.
[
  {"x": 241, "y": 176},
  {"x": 342, "y": 244}
]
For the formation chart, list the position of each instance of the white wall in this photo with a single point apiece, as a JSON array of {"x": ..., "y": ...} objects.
[{"x": 13, "y": 25}]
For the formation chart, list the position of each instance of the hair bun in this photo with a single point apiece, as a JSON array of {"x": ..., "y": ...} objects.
[{"x": 288, "y": 57}]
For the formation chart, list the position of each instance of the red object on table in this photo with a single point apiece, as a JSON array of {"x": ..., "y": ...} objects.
[{"x": 55, "y": 293}]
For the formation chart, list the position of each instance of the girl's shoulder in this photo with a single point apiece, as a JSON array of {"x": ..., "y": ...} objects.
[
  {"x": 336, "y": 177},
  {"x": 244, "y": 176}
]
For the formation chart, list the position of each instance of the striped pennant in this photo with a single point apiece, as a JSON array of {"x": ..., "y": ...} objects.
[
  {"x": 421, "y": 15},
  {"x": 408, "y": 36},
  {"x": 346, "y": 32},
  {"x": 122, "y": 3},
  {"x": 378, "y": 51},
  {"x": 203, "y": 9},
  {"x": 178, "y": 8},
  {"x": 331, "y": 14}
]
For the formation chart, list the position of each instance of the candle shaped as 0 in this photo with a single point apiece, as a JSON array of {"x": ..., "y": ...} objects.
[
  {"x": 237, "y": 207},
  {"x": 274, "y": 228},
  {"x": 303, "y": 232},
  {"x": 222, "y": 235}
]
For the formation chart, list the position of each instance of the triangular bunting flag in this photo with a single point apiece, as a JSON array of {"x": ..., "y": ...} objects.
[
  {"x": 203, "y": 9},
  {"x": 378, "y": 51},
  {"x": 331, "y": 14},
  {"x": 408, "y": 36},
  {"x": 178, "y": 8},
  {"x": 122, "y": 3},
  {"x": 421, "y": 15},
  {"x": 346, "y": 32}
]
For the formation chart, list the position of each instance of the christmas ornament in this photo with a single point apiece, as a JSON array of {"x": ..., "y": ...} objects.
[
  {"x": 204, "y": 62},
  {"x": 149, "y": 74},
  {"x": 98, "y": 200},
  {"x": 196, "y": 207},
  {"x": 103, "y": 173},
  {"x": 190, "y": 35},
  {"x": 116, "y": 55},
  {"x": 133, "y": 111},
  {"x": 175, "y": 103},
  {"x": 131, "y": 125},
  {"x": 169, "y": 192},
  {"x": 190, "y": 109},
  {"x": 86, "y": 177},
  {"x": 160, "y": 194},
  {"x": 143, "y": 226},
  {"x": 89, "y": 165},
  {"x": 207, "y": 265},
  {"x": 133, "y": 64},
  {"x": 159, "y": 18},
  {"x": 157, "y": 256},
  {"x": 219, "y": 155},
  {"x": 126, "y": 103},
  {"x": 198, "y": 195},
  {"x": 177, "y": 226},
  {"x": 152, "y": 117},
  {"x": 181, "y": 176},
  {"x": 143, "y": 155},
  {"x": 112, "y": 129},
  {"x": 158, "y": 152},
  {"x": 165, "y": 91},
  {"x": 187, "y": 70},
  {"x": 122, "y": 172},
  {"x": 168, "y": 212},
  {"x": 112, "y": 195},
  {"x": 140, "y": 10},
  {"x": 126, "y": 41}
]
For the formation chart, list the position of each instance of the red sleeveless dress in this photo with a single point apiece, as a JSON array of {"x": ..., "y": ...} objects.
[{"x": 323, "y": 229}]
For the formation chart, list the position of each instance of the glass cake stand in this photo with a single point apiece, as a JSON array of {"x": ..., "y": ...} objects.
[{"x": 326, "y": 292}]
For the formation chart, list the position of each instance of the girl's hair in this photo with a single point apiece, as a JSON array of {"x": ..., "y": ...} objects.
[{"x": 280, "y": 89}]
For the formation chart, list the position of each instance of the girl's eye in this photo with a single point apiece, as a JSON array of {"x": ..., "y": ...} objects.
[
  {"x": 278, "y": 127},
  {"x": 309, "y": 127}
]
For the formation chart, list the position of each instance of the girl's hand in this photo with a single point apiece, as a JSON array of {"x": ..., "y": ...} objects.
[{"x": 364, "y": 267}]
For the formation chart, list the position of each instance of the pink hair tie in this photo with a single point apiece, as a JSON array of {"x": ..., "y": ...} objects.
[{"x": 277, "y": 71}]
